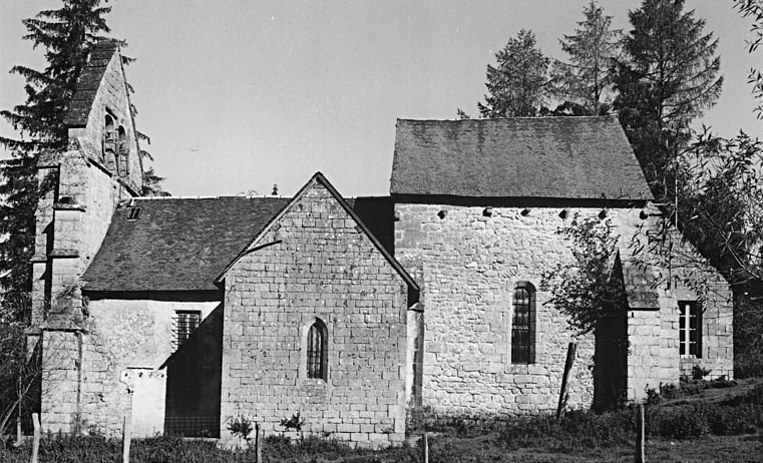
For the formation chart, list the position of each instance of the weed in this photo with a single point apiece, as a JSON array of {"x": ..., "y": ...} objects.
[
  {"x": 241, "y": 427},
  {"x": 294, "y": 423}
]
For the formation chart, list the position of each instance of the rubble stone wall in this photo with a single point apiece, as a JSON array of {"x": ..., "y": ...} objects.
[{"x": 93, "y": 378}]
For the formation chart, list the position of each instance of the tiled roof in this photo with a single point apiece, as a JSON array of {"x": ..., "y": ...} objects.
[
  {"x": 88, "y": 82},
  {"x": 539, "y": 157},
  {"x": 176, "y": 244}
]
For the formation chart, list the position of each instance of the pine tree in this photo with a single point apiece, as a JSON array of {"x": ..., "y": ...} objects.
[
  {"x": 586, "y": 80},
  {"x": 666, "y": 79},
  {"x": 517, "y": 86},
  {"x": 65, "y": 34}
]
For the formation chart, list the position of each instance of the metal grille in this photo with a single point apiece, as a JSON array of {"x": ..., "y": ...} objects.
[
  {"x": 187, "y": 322},
  {"x": 316, "y": 352},
  {"x": 521, "y": 328},
  {"x": 192, "y": 426},
  {"x": 689, "y": 332}
]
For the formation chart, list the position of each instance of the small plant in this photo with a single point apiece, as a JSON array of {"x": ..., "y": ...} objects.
[
  {"x": 294, "y": 423},
  {"x": 241, "y": 427},
  {"x": 698, "y": 373}
]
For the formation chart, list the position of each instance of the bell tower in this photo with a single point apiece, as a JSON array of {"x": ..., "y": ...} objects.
[{"x": 80, "y": 189}]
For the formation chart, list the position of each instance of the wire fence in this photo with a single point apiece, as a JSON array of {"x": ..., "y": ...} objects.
[{"x": 192, "y": 426}]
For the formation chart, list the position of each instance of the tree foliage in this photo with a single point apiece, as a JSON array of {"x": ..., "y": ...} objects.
[
  {"x": 18, "y": 187},
  {"x": 586, "y": 80},
  {"x": 667, "y": 77},
  {"x": 65, "y": 34},
  {"x": 518, "y": 85},
  {"x": 590, "y": 290},
  {"x": 753, "y": 9}
]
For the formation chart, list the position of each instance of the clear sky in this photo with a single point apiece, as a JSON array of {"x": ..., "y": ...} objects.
[{"x": 237, "y": 95}]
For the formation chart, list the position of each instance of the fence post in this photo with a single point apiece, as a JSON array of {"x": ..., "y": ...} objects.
[
  {"x": 36, "y": 439},
  {"x": 426, "y": 447},
  {"x": 640, "y": 434},
  {"x": 18, "y": 414},
  {"x": 127, "y": 424},
  {"x": 257, "y": 444},
  {"x": 571, "y": 350}
]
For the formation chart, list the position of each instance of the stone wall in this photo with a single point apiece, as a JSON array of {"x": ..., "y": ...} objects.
[
  {"x": 680, "y": 275},
  {"x": 315, "y": 262},
  {"x": 112, "y": 97},
  {"x": 114, "y": 368},
  {"x": 471, "y": 260}
]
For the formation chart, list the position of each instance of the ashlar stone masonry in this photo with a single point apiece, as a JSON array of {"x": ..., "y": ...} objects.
[{"x": 315, "y": 262}]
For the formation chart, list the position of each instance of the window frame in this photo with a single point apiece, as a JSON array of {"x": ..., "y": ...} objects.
[
  {"x": 523, "y": 313},
  {"x": 316, "y": 351},
  {"x": 186, "y": 323},
  {"x": 688, "y": 348}
]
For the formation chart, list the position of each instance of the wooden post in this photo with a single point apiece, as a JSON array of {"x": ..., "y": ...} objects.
[
  {"x": 126, "y": 439},
  {"x": 640, "y": 434},
  {"x": 18, "y": 414},
  {"x": 257, "y": 444},
  {"x": 571, "y": 350},
  {"x": 426, "y": 447},
  {"x": 36, "y": 441}
]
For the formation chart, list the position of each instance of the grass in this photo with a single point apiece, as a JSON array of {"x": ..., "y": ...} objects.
[{"x": 693, "y": 422}]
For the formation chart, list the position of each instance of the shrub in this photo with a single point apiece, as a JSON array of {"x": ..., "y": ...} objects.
[
  {"x": 677, "y": 423},
  {"x": 578, "y": 429},
  {"x": 294, "y": 423},
  {"x": 241, "y": 427}
]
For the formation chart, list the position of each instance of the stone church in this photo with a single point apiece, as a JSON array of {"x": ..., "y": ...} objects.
[{"x": 184, "y": 314}]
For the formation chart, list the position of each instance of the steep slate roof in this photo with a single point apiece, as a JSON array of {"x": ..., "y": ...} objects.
[
  {"x": 88, "y": 82},
  {"x": 176, "y": 244},
  {"x": 538, "y": 157}
]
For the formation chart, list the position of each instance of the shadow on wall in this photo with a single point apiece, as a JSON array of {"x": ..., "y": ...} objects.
[
  {"x": 194, "y": 381},
  {"x": 610, "y": 371}
]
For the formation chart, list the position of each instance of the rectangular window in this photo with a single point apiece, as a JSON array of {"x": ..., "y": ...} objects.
[
  {"x": 690, "y": 329},
  {"x": 187, "y": 322}
]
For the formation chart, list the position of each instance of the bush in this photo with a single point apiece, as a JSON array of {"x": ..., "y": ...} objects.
[
  {"x": 578, "y": 429},
  {"x": 737, "y": 415}
]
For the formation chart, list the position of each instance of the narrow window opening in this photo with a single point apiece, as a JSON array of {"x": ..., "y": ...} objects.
[
  {"x": 690, "y": 329},
  {"x": 133, "y": 213},
  {"x": 123, "y": 164},
  {"x": 109, "y": 142},
  {"x": 522, "y": 328},
  {"x": 317, "y": 338},
  {"x": 187, "y": 322}
]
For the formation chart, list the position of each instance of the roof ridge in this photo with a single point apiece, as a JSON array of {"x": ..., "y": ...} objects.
[{"x": 527, "y": 118}]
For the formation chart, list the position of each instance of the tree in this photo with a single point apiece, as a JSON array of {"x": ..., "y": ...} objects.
[
  {"x": 65, "y": 34},
  {"x": 754, "y": 9},
  {"x": 667, "y": 77},
  {"x": 588, "y": 291},
  {"x": 517, "y": 86},
  {"x": 586, "y": 80}
]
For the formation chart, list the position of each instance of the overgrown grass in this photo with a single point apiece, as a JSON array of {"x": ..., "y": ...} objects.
[{"x": 580, "y": 436}]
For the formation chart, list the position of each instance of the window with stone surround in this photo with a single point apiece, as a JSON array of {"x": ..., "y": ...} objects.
[
  {"x": 523, "y": 326},
  {"x": 317, "y": 355},
  {"x": 690, "y": 329},
  {"x": 123, "y": 164},
  {"x": 109, "y": 145},
  {"x": 187, "y": 322}
]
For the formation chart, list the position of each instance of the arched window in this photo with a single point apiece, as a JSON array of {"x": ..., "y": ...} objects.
[
  {"x": 122, "y": 152},
  {"x": 523, "y": 324},
  {"x": 317, "y": 352},
  {"x": 109, "y": 143}
]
